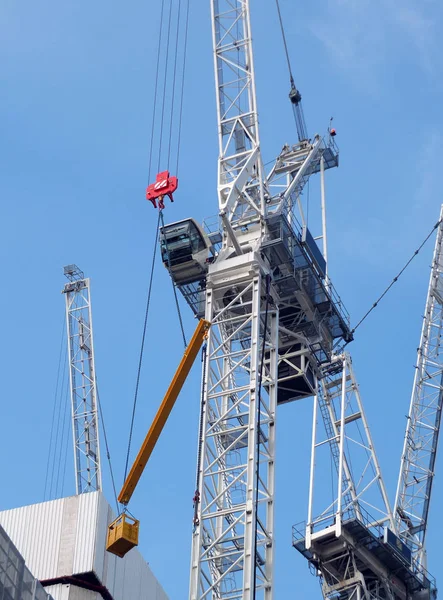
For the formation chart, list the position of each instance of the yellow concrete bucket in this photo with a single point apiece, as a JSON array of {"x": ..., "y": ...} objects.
[{"x": 122, "y": 535}]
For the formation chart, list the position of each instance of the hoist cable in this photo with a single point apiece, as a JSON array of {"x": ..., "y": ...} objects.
[
  {"x": 180, "y": 112},
  {"x": 105, "y": 436},
  {"x": 142, "y": 347},
  {"x": 154, "y": 110},
  {"x": 260, "y": 381},
  {"x": 396, "y": 278},
  {"x": 283, "y": 34},
  {"x": 174, "y": 289},
  {"x": 174, "y": 78},
  {"x": 294, "y": 94},
  {"x": 164, "y": 88}
]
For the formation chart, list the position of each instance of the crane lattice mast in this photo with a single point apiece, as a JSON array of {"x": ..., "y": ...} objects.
[
  {"x": 273, "y": 319},
  {"x": 423, "y": 426},
  {"x": 277, "y": 332},
  {"x": 83, "y": 386}
]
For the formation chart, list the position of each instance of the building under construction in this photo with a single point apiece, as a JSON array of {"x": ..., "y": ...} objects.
[{"x": 272, "y": 329}]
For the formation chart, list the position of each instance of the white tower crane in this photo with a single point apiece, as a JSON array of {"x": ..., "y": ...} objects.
[
  {"x": 353, "y": 541},
  {"x": 423, "y": 426},
  {"x": 275, "y": 318},
  {"x": 83, "y": 385}
]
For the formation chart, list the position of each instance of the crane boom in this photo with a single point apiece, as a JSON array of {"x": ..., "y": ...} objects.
[
  {"x": 423, "y": 426},
  {"x": 164, "y": 411},
  {"x": 123, "y": 531}
]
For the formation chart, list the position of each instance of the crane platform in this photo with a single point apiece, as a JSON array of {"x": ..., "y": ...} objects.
[
  {"x": 377, "y": 551},
  {"x": 312, "y": 318}
]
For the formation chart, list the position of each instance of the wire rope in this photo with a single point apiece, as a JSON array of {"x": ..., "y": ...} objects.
[
  {"x": 285, "y": 43},
  {"x": 174, "y": 78},
  {"x": 160, "y": 103},
  {"x": 142, "y": 347},
  {"x": 54, "y": 410},
  {"x": 294, "y": 95},
  {"x": 105, "y": 437},
  {"x": 396, "y": 278},
  {"x": 62, "y": 387},
  {"x": 154, "y": 110},
  {"x": 164, "y": 87},
  {"x": 64, "y": 444},
  {"x": 173, "y": 286},
  {"x": 180, "y": 118}
]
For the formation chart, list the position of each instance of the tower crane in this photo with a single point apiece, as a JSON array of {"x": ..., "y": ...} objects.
[
  {"x": 83, "y": 385},
  {"x": 423, "y": 425},
  {"x": 356, "y": 545},
  {"x": 260, "y": 279},
  {"x": 277, "y": 334},
  {"x": 275, "y": 331}
]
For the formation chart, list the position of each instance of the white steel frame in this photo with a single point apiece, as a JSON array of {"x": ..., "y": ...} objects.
[
  {"x": 240, "y": 169},
  {"x": 423, "y": 425},
  {"x": 82, "y": 384},
  {"x": 360, "y": 493},
  {"x": 233, "y": 541}
]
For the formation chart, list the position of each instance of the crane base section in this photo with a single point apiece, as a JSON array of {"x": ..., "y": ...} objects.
[
  {"x": 353, "y": 554},
  {"x": 122, "y": 535}
]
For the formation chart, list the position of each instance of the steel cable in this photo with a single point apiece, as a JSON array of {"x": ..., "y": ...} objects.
[
  {"x": 174, "y": 289},
  {"x": 174, "y": 77},
  {"x": 396, "y": 278},
  {"x": 105, "y": 436},
  {"x": 180, "y": 117},
  {"x": 140, "y": 360},
  {"x": 164, "y": 88},
  {"x": 54, "y": 410},
  {"x": 154, "y": 110},
  {"x": 62, "y": 387}
]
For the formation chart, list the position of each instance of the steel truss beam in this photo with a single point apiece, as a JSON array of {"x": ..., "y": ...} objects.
[
  {"x": 240, "y": 186},
  {"x": 359, "y": 487},
  {"x": 233, "y": 541},
  {"x": 359, "y": 496},
  {"x": 423, "y": 425},
  {"x": 82, "y": 382}
]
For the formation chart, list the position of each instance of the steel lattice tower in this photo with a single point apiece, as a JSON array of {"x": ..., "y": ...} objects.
[
  {"x": 277, "y": 334},
  {"x": 82, "y": 381},
  {"x": 424, "y": 420},
  {"x": 274, "y": 318}
]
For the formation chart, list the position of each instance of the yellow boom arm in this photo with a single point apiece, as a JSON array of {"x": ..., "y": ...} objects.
[{"x": 164, "y": 411}]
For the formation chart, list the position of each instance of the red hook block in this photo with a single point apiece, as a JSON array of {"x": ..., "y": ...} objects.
[{"x": 164, "y": 186}]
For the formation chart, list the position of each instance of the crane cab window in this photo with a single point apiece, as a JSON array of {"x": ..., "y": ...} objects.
[{"x": 182, "y": 241}]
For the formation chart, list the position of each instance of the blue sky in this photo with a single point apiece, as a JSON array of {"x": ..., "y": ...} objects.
[{"x": 76, "y": 107}]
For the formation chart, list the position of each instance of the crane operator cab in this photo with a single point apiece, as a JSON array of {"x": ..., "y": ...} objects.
[{"x": 186, "y": 251}]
